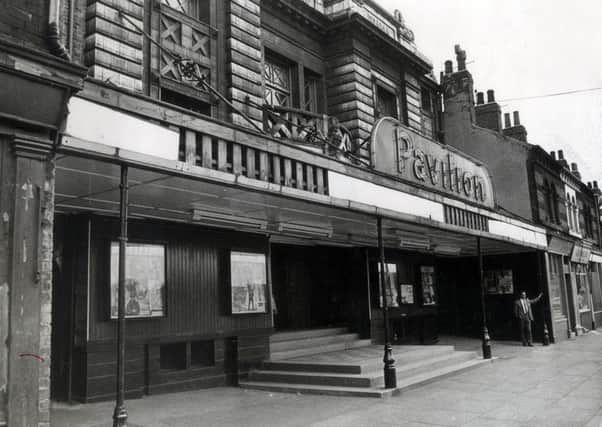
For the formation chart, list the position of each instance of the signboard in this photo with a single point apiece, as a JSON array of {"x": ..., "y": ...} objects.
[{"x": 397, "y": 150}]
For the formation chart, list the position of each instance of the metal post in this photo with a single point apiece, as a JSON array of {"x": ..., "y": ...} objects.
[
  {"x": 486, "y": 344},
  {"x": 389, "y": 368},
  {"x": 120, "y": 415}
]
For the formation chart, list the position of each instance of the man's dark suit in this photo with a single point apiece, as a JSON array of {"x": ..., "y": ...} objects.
[{"x": 523, "y": 311}]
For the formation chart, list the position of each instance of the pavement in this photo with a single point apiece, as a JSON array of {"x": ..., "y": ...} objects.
[{"x": 558, "y": 385}]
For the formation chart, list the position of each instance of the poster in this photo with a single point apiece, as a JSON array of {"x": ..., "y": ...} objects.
[
  {"x": 248, "y": 281},
  {"x": 498, "y": 282},
  {"x": 144, "y": 280},
  {"x": 407, "y": 294},
  {"x": 390, "y": 285},
  {"x": 427, "y": 280}
]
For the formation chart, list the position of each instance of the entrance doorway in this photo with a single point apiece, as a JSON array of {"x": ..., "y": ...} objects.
[{"x": 319, "y": 286}]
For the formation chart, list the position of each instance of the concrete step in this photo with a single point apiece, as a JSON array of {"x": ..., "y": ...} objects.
[
  {"x": 356, "y": 362},
  {"x": 311, "y": 342},
  {"x": 315, "y": 389},
  {"x": 369, "y": 379},
  {"x": 428, "y": 365},
  {"x": 405, "y": 384},
  {"x": 327, "y": 348},
  {"x": 306, "y": 333}
]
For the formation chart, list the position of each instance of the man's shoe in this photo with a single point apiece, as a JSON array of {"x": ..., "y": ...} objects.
[{"x": 530, "y": 345}]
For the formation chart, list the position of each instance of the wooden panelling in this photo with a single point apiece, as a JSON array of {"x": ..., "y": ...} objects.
[{"x": 212, "y": 153}]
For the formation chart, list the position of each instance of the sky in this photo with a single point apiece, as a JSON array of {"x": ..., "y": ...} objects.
[{"x": 525, "y": 48}]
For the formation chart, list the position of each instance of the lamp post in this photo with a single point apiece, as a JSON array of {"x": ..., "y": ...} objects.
[
  {"x": 486, "y": 344},
  {"x": 120, "y": 414},
  {"x": 389, "y": 362}
]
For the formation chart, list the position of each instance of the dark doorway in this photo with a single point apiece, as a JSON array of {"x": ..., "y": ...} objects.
[{"x": 319, "y": 286}]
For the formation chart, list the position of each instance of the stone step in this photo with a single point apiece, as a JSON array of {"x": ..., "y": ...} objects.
[
  {"x": 315, "y": 389},
  {"x": 327, "y": 348},
  {"x": 366, "y": 359},
  {"x": 306, "y": 333},
  {"x": 311, "y": 342},
  {"x": 402, "y": 386},
  {"x": 371, "y": 379},
  {"x": 428, "y": 365}
]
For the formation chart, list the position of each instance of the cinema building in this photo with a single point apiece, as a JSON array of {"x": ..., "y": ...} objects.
[{"x": 248, "y": 155}]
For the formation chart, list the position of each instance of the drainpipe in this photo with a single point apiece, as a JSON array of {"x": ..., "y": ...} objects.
[{"x": 53, "y": 37}]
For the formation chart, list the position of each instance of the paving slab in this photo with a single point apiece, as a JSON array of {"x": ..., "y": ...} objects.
[{"x": 558, "y": 385}]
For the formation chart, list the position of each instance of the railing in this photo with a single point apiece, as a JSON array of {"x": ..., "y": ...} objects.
[
  {"x": 314, "y": 131},
  {"x": 215, "y": 153}
]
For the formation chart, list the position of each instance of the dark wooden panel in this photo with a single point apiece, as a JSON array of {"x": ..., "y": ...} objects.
[{"x": 196, "y": 286}]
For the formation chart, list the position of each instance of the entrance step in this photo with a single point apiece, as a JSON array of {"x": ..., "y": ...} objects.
[
  {"x": 292, "y": 344},
  {"x": 359, "y": 371}
]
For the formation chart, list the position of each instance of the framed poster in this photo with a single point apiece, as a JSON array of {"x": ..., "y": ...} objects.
[
  {"x": 390, "y": 285},
  {"x": 144, "y": 280},
  {"x": 248, "y": 282},
  {"x": 498, "y": 282},
  {"x": 427, "y": 281},
  {"x": 407, "y": 294}
]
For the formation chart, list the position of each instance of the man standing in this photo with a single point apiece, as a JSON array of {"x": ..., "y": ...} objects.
[{"x": 522, "y": 310}]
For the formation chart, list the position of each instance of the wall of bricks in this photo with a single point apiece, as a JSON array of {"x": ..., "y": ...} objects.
[{"x": 26, "y": 21}]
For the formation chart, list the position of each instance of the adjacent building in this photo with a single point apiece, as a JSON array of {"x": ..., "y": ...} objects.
[{"x": 539, "y": 187}]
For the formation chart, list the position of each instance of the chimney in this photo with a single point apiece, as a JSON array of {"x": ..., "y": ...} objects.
[
  {"x": 458, "y": 93},
  {"x": 490, "y": 96},
  {"x": 507, "y": 122},
  {"x": 553, "y": 154},
  {"x": 449, "y": 67},
  {"x": 460, "y": 57},
  {"x": 589, "y": 185},
  {"x": 562, "y": 160},
  {"x": 597, "y": 190},
  {"x": 517, "y": 131},
  {"x": 480, "y": 98},
  {"x": 489, "y": 116},
  {"x": 575, "y": 170}
]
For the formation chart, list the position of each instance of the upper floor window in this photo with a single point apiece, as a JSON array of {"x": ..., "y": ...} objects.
[
  {"x": 554, "y": 197},
  {"x": 277, "y": 80},
  {"x": 312, "y": 85},
  {"x": 198, "y": 9},
  {"x": 386, "y": 103}
]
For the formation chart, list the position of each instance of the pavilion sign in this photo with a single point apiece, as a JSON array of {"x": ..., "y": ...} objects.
[{"x": 397, "y": 150}]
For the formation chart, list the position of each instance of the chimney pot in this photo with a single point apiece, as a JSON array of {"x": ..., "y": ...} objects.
[
  {"x": 490, "y": 96},
  {"x": 460, "y": 57},
  {"x": 553, "y": 154},
  {"x": 574, "y": 167},
  {"x": 480, "y": 98},
  {"x": 589, "y": 185},
  {"x": 516, "y": 119},
  {"x": 507, "y": 123},
  {"x": 595, "y": 185},
  {"x": 560, "y": 155},
  {"x": 449, "y": 67}
]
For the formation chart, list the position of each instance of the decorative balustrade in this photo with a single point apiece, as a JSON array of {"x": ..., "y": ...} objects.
[
  {"x": 227, "y": 156},
  {"x": 314, "y": 131}
]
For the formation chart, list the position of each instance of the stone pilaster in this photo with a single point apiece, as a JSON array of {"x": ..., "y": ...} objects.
[
  {"x": 244, "y": 59},
  {"x": 27, "y": 220}
]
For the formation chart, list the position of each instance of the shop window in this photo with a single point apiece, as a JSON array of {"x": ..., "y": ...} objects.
[
  {"x": 202, "y": 353},
  {"x": 391, "y": 285},
  {"x": 278, "y": 82},
  {"x": 583, "y": 293},
  {"x": 172, "y": 356},
  {"x": 386, "y": 103},
  {"x": 596, "y": 272}
]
